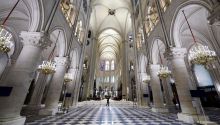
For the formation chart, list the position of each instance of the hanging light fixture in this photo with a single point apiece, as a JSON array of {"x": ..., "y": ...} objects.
[
  {"x": 68, "y": 77},
  {"x": 146, "y": 78},
  {"x": 5, "y": 40},
  {"x": 164, "y": 72},
  {"x": 5, "y": 37},
  {"x": 49, "y": 67},
  {"x": 200, "y": 54}
]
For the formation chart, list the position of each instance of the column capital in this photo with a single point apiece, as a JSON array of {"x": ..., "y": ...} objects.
[
  {"x": 61, "y": 61},
  {"x": 175, "y": 53},
  {"x": 37, "y": 39}
]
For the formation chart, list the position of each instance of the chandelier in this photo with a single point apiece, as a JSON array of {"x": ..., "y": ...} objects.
[
  {"x": 47, "y": 67},
  {"x": 164, "y": 72},
  {"x": 146, "y": 79},
  {"x": 5, "y": 43},
  {"x": 5, "y": 36},
  {"x": 201, "y": 55},
  {"x": 68, "y": 77}
]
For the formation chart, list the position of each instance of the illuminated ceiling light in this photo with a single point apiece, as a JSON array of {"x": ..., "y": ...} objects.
[
  {"x": 68, "y": 77},
  {"x": 5, "y": 36},
  {"x": 146, "y": 79},
  {"x": 164, "y": 72},
  {"x": 200, "y": 55},
  {"x": 47, "y": 67},
  {"x": 5, "y": 40}
]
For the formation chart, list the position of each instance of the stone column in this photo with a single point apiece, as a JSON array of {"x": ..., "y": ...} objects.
[
  {"x": 138, "y": 87},
  {"x": 77, "y": 88},
  {"x": 42, "y": 81},
  {"x": 181, "y": 77},
  {"x": 70, "y": 88},
  {"x": 19, "y": 78},
  {"x": 169, "y": 103},
  {"x": 156, "y": 89},
  {"x": 93, "y": 57},
  {"x": 145, "y": 100},
  {"x": 92, "y": 66},
  {"x": 79, "y": 73},
  {"x": 85, "y": 92},
  {"x": 124, "y": 70},
  {"x": 55, "y": 88}
]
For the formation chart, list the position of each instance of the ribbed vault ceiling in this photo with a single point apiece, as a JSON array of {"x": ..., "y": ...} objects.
[
  {"x": 110, "y": 29},
  {"x": 109, "y": 43}
]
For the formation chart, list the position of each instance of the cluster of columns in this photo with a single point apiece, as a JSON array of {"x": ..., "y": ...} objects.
[
  {"x": 22, "y": 72},
  {"x": 92, "y": 65},
  {"x": 10, "y": 107},
  {"x": 124, "y": 66},
  {"x": 41, "y": 83},
  {"x": 53, "y": 95},
  {"x": 156, "y": 89},
  {"x": 182, "y": 81},
  {"x": 176, "y": 56},
  {"x": 25, "y": 66}
]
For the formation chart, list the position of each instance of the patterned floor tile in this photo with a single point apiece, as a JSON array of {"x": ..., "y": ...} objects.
[{"x": 114, "y": 115}]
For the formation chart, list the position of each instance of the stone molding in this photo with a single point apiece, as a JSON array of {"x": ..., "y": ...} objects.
[{"x": 37, "y": 39}]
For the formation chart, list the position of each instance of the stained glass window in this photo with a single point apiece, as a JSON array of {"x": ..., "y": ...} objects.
[
  {"x": 113, "y": 65},
  {"x": 79, "y": 31},
  {"x": 151, "y": 19},
  {"x": 68, "y": 10},
  {"x": 107, "y": 65},
  {"x": 164, "y": 4},
  {"x": 113, "y": 79}
]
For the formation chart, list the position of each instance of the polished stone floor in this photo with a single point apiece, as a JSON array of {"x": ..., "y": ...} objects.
[{"x": 96, "y": 113}]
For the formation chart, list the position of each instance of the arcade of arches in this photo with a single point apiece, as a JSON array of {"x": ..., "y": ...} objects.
[{"x": 99, "y": 50}]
